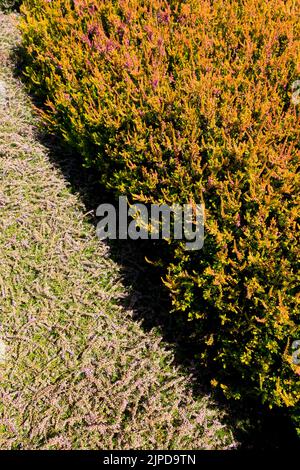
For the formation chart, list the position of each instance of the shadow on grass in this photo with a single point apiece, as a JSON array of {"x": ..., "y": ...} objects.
[{"x": 254, "y": 425}]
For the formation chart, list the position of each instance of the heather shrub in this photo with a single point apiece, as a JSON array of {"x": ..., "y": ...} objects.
[{"x": 190, "y": 101}]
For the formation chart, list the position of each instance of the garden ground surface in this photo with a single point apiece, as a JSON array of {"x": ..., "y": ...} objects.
[{"x": 77, "y": 370}]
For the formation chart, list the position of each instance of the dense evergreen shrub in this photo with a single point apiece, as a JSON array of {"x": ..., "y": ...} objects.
[{"x": 180, "y": 101}]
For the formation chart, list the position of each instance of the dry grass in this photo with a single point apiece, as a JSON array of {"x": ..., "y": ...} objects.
[{"x": 79, "y": 372}]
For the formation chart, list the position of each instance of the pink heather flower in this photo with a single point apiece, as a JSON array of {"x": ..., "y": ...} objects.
[
  {"x": 121, "y": 30},
  {"x": 149, "y": 32},
  {"x": 155, "y": 83},
  {"x": 93, "y": 30},
  {"x": 110, "y": 46},
  {"x": 92, "y": 9},
  {"x": 163, "y": 17},
  {"x": 160, "y": 41},
  {"x": 128, "y": 17},
  {"x": 86, "y": 40},
  {"x": 129, "y": 62},
  {"x": 210, "y": 182}
]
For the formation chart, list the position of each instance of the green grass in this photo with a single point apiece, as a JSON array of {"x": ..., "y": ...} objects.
[{"x": 79, "y": 372}]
